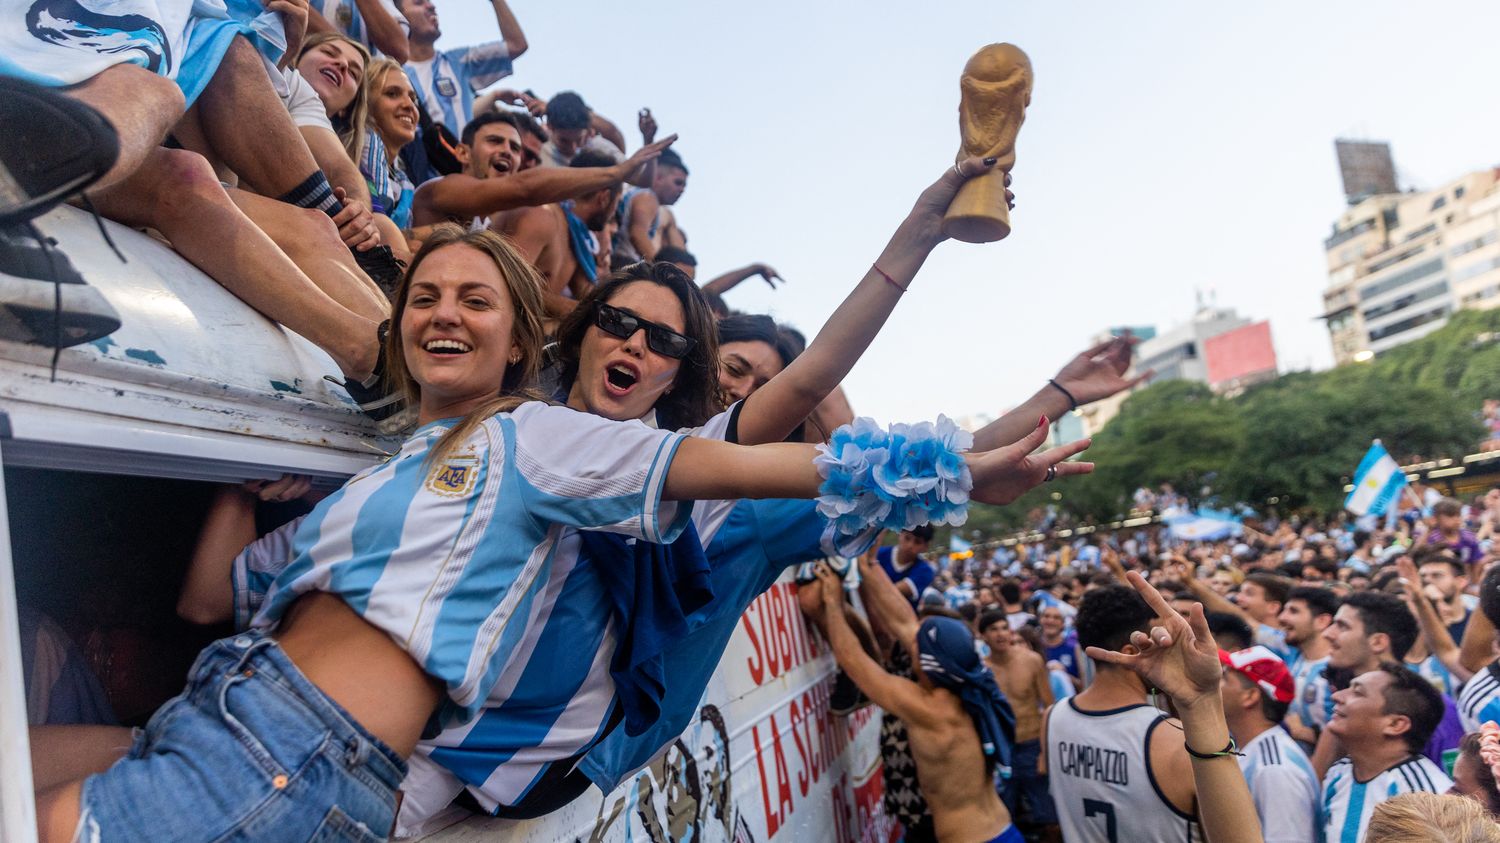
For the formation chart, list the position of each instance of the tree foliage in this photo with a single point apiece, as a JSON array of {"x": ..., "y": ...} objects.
[{"x": 1297, "y": 438}]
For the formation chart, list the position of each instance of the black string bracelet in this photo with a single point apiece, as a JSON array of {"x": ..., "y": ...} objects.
[
  {"x": 1072, "y": 402},
  {"x": 1232, "y": 749}
]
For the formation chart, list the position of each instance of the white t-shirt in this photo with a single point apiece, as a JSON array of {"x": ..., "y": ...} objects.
[
  {"x": 304, "y": 104},
  {"x": 551, "y": 157}
]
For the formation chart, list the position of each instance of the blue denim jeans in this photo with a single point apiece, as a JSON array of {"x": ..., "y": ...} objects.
[{"x": 251, "y": 750}]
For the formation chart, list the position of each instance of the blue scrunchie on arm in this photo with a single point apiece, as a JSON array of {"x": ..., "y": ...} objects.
[{"x": 898, "y": 478}]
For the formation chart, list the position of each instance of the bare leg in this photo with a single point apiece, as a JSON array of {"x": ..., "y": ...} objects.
[
  {"x": 63, "y": 753},
  {"x": 176, "y": 193},
  {"x": 310, "y": 239},
  {"x": 139, "y": 104},
  {"x": 248, "y": 126}
]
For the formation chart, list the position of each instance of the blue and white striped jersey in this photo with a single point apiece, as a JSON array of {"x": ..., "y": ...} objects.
[
  {"x": 447, "y": 82},
  {"x": 555, "y": 698},
  {"x": 1436, "y": 673},
  {"x": 346, "y": 18},
  {"x": 445, "y": 556},
  {"x": 1480, "y": 700},
  {"x": 1348, "y": 803},
  {"x": 1283, "y": 787},
  {"x": 555, "y": 695},
  {"x": 1314, "y": 701},
  {"x": 1273, "y": 638}
]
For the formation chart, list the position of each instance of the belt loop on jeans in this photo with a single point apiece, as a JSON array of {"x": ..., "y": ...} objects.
[
  {"x": 356, "y": 752},
  {"x": 249, "y": 645}
]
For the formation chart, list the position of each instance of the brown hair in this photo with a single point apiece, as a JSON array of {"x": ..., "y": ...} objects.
[
  {"x": 1431, "y": 818},
  {"x": 358, "y": 110},
  {"x": 1490, "y": 798},
  {"x": 525, "y": 289},
  {"x": 695, "y": 395}
]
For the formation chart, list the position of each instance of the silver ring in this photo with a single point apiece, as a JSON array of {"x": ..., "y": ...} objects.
[
  {"x": 1051, "y": 474},
  {"x": 959, "y": 168}
]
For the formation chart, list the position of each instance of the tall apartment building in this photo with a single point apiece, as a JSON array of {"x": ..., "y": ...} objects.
[{"x": 1399, "y": 264}]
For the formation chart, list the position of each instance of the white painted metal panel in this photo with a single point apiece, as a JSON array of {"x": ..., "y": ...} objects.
[{"x": 193, "y": 377}]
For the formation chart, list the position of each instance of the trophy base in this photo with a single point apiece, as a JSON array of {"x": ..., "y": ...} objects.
[{"x": 979, "y": 213}]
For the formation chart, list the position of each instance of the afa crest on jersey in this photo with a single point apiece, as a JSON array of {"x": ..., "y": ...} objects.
[{"x": 454, "y": 477}]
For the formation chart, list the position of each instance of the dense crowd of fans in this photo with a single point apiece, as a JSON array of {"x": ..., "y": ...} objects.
[
  {"x": 1354, "y": 673},
  {"x": 1358, "y": 661}
]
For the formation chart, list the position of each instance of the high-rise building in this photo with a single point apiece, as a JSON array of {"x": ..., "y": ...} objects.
[
  {"x": 1217, "y": 347},
  {"x": 1400, "y": 263}
]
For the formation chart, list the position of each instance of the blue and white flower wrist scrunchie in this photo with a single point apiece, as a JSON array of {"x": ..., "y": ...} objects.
[{"x": 898, "y": 478}]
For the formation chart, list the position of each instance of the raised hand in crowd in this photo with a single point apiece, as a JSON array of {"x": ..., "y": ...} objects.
[
  {"x": 1095, "y": 374},
  {"x": 731, "y": 279},
  {"x": 294, "y": 24},
  {"x": 1100, "y": 371},
  {"x": 1013, "y": 470},
  {"x": 1179, "y": 657},
  {"x": 647, "y": 124}
]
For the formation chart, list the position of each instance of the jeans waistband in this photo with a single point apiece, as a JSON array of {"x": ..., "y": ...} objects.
[{"x": 258, "y": 649}]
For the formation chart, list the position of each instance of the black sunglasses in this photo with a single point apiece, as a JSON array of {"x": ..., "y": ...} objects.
[{"x": 660, "y": 339}]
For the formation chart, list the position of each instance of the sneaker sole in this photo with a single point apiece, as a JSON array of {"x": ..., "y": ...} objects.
[
  {"x": 29, "y": 313},
  {"x": 25, "y": 188}
]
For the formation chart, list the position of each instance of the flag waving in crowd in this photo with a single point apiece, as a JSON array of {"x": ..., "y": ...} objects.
[{"x": 1377, "y": 482}]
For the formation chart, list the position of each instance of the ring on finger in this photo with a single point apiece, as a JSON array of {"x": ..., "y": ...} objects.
[
  {"x": 959, "y": 168},
  {"x": 1051, "y": 474}
]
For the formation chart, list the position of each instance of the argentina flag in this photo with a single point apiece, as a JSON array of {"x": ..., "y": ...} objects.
[{"x": 1377, "y": 482}]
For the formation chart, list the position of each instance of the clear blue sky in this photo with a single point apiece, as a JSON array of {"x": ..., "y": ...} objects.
[{"x": 1169, "y": 147}]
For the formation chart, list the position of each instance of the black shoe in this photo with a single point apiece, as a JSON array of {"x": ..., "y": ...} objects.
[
  {"x": 52, "y": 147},
  {"x": 372, "y": 394},
  {"x": 382, "y": 267},
  {"x": 43, "y": 298},
  {"x": 846, "y": 697}
]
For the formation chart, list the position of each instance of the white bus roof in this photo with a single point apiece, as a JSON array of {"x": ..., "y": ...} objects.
[{"x": 195, "y": 383}]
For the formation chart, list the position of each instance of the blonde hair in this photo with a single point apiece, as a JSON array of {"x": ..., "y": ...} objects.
[
  {"x": 524, "y": 286},
  {"x": 375, "y": 75},
  {"x": 1431, "y": 818},
  {"x": 357, "y": 113}
]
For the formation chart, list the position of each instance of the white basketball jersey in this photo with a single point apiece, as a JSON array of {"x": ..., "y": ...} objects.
[{"x": 1102, "y": 786}]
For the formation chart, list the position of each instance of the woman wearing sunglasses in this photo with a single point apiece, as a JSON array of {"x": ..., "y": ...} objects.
[{"x": 412, "y": 589}]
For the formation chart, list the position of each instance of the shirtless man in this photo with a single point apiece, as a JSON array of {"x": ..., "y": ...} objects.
[
  {"x": 551, "y": 238},
  {"x": 948, "y": 740},
  {"x": 1023, "y": 677},
  {"x": 642, "y": 230},
  {"x": 491, "y": 151}
]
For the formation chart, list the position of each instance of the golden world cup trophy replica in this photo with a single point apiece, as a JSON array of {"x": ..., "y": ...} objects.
[{"x": 996, "y": 88}]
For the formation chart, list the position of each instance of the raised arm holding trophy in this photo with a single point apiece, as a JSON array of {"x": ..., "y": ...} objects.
[{"x": 996, "y": 88}]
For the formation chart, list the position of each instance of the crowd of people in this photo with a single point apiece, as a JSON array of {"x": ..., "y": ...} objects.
[
  {"x": 1358, "y": 664},
  {"x": 524, "y": 602}
]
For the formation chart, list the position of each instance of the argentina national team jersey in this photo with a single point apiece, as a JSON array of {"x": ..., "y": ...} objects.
[
  {"x": 1314, "y": 701},
  {"x": 1480, "y": 699},
  {"x": 446, "y": 83},
  {"x": 1348, "y": 803},
  {"x": 448, "y": 558},
  {"x": 1283, "y": 787},
  {"x": 554, "y": 699},
  {"x": 555, "y": 694}
]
